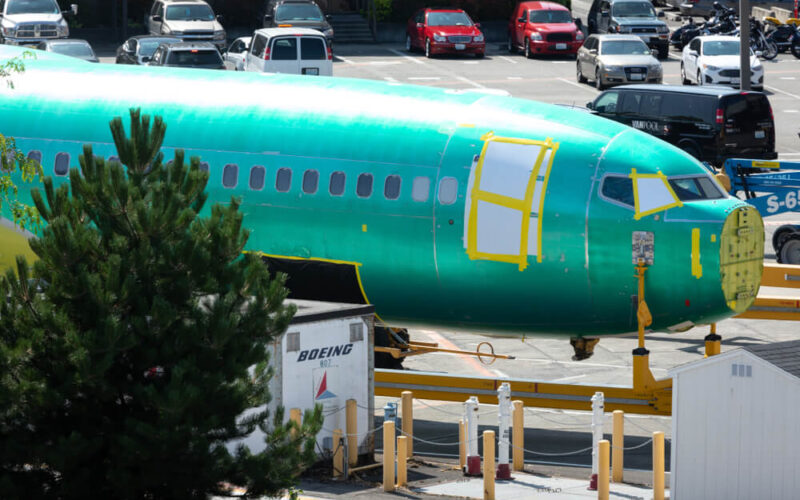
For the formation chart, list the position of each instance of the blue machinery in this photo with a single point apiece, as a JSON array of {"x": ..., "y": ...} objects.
[{"x": 773, "y": 187}]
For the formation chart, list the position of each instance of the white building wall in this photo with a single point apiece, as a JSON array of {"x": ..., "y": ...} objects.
[{"x": 735, "y": 437}]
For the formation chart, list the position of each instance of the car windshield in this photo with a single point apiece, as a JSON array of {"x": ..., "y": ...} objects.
[
  {"x": 550, "y": 16},
  {"x": 633, "y": 9},
  {"x": 31, "y": 7},
  {"x": 149, "y": 46},
  {"x": 624, "y": 47},
  {"x": 449, "y": 19},
  {"x": 197, "y": 12},
  {"x": 721, "y": 48},
  {"x": 81, "y": 50},
  {"x": 298, "y": 12},
  {"x": 194, "y": 58}
]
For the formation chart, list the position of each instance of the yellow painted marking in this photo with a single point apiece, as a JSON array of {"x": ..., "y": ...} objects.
[
  {"x": 766, "y": 164},
  {"x": 713, "y": 238},
  {"x": 525, "y": 205},
  {"x": 697, "y": 268},
  {"x": 363, "y": 228},
  {"x": 659, "y": 175},
  {"x": 466, "y": 125}
]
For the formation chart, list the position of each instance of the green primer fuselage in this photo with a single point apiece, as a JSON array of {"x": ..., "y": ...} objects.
[{"x": 410, "y": 255}]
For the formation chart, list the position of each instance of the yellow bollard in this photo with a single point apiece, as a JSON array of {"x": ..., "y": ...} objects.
[
  {"x": 296, "y": 416},
  {"x": 602, "y": 470},
  {"x": 351, "y": 414},
  {"x": 462, "y": 444},
  {"x": 488, "y": 465},
  {"x": 388, "y": 455},
  {"x": 408, "y": 419},
  {"x": 338, "y": 455},
  {"x": 402, "y": 451},
  {"x": 618, "y": 443},
  {"x": 658, "y": 465},
  {"x": 518, "y": 436}
]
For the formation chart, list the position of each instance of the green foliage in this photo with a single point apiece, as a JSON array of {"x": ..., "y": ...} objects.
[
  {"x": 12, "y": 160},
  {"x": 129, "y": 351},
  {"x": 383, "y": 10}
]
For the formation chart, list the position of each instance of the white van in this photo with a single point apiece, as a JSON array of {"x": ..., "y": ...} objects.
[{"x": 297, "y": 51}]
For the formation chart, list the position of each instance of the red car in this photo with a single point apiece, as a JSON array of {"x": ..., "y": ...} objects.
[
  {"x": 543, "y": 28},
  {"x": 442, "y": 31}
]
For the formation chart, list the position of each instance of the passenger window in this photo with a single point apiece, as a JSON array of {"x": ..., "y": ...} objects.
[
  {"x": 524, "y": 17},
  {"x": 230, "y": 175},
  {"x": 310, "y": 181},
  {"x": 312, "y": 49},
  {"x": 258, "y": 46},
  {"x": 630, "y": 103},
  {"x": 695, "y": 45},
  {"x": 204, "y": 166},
  {"x": 448, "y": 190},
  {"x": 257, "y": 175},
  {"x": 420, "y": 189},
  {"x": 651, "y": 105},
  {"x": 364, "y": 186},
  {"x": 618, "y": 188},
  {"x": 336, "y": 187},
  {"x": 62, "y": 164},
  {"x": 391, "y": 188},
  {"x": 284, "y": 49},
  {"x": 693, "y": 108},
  {"x": 35, "y": 156},
  {"x": 283, "y": 181},
  {"x": 607, "y": 103}
]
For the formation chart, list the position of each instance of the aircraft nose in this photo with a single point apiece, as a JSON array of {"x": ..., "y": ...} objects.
[{"x": 741, "y": 257}]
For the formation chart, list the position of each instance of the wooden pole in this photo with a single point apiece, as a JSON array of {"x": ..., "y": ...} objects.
[
  {"x": 338, "y": 455},
  {"x": 488, "y": 465},
  {"x": 351, "y": 413},
  {"x": 402, "y": 451},
  {"x": 518, "y": 437},
  {"x": 618, "y": 443},
  {"x": 296, "y": 416},
  {"x": 462, "y": 444},
  {"x": 388, "y": 455},
  {"x": 408, "y": 419},
  {"x": 602, "y": 470},
  {"x": 658, "y": 465}
]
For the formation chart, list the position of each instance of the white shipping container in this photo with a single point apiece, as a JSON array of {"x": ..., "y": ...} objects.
[{"x": 325, "y": 357}]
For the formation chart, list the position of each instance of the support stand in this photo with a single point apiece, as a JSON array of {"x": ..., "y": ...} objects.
[{"x": 713, "y": 342}]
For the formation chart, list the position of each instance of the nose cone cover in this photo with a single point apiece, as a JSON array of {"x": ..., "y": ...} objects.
[{"x": 741, "y": 257}]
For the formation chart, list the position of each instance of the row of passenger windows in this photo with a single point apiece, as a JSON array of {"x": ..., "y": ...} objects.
[{"x": 420, "y": 187}]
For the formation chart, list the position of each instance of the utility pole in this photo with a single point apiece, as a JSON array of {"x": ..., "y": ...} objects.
[{"x": 744, "y": 40}]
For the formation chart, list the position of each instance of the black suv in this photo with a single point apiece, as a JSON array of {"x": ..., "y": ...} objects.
[
  {"x": 709, "y": 123},
  {"x": 299, "y": 14},
  {"x": 188, "y": 55}
]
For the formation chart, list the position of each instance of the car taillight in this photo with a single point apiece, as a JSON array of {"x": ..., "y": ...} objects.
[
  {"x": 266, "y": 54},
  {"x": 720, "y": 116},
  {"x": 330, "y": 53}
]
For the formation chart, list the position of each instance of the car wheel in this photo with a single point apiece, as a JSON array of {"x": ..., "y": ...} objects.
[
  {"x": 510, "y": 45},
  {"x": 581, "y": 78},
  {"x": 663, "y": 52},
  {"x": 684, "y": 80},
  {"x": 789, "y": 251},
  {"x": 408, "y": 44},
  {"x": 699, "y": 77},
  {"x": 598, "y": 82},
  {"x": 527, "y": 48},
  {"x": 428, "y": 48}
]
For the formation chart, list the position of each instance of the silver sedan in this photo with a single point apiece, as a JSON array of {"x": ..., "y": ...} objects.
[{"x": 617, "y": 59}]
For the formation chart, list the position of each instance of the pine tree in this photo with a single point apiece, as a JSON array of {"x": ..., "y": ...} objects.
[{"x": 136, "y": 341}]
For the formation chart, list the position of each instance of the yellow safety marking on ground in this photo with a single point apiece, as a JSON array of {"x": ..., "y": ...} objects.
[
  {"x": 525, "y": 205},
  {"x": 466, "y": 125},
  {"x": 766, "y": 164},
  {"x": 637, "y": 206},
  {"x": 363, "y": 228},
  {"x": 697, "y": 268}
]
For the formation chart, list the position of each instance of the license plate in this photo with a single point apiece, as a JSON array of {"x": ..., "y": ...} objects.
[
  {"x": 561, "y": 46},
  {"x": 311, "y": 71},
  {"x": 735, "y": 81},
  {"x": 460, "y": 46},
  {"x": 637, "y": 76},
  {"x": 759, "y": 134}
]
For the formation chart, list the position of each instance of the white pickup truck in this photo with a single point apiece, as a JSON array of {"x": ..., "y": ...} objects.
[{"x": 27, "y": 22}]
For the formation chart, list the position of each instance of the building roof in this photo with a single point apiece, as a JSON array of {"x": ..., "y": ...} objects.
[{"x": 784, "y": 355}]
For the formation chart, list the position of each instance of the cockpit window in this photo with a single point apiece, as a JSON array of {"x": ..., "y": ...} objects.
[
  {"x": 695, "y": 188},
  {"x": 618, "y": 188}
]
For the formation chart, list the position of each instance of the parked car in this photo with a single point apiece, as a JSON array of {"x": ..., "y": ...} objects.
[
  {"x": 236, "y": 54},
  {"x": 701, "y": 8},
  {"x": 637, "y": 17},
  {"x": 443, "y": 31},
  {"x": 297, "y": 51},
  {"x": 297, "y": 14},
  {"x": 188, "y": 55},
  {"x": 27, "y": 22},
  {"x": 714, "y": 60},
  {"x": 139, "y": 49},
  {"x": 543, "y": 28},
  {"x": 709, "y": 123},
  {"x": 70, "y": 47},
  {"x": 189, "y": 20},
  {"x": 617, "y": 59}
]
